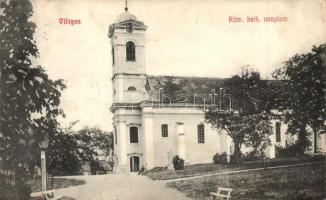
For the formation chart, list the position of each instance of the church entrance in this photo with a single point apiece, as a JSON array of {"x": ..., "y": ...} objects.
[{"x": 134, "y": 164}]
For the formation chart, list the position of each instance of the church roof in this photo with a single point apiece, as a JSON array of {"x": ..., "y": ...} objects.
[{"x": 177, "y": 86}]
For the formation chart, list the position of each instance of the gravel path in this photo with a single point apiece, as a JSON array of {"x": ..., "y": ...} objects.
[{"x": 120, "y": 187}]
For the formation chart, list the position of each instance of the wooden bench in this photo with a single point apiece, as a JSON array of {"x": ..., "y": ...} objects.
[{"x": 222, "y": 193}]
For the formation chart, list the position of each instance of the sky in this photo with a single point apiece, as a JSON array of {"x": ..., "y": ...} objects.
[{"x": 184, "y": 38}]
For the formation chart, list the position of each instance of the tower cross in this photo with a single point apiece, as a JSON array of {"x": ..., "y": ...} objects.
[{"x": 126, "y": 5}]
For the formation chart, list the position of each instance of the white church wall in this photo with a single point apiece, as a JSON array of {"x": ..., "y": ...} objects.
[
  {"x": 163, "y": 145},
  {"x": 148, "y": 142},
  {"x": 215, "y": 142},
  {"x": 194, "y": 152}
]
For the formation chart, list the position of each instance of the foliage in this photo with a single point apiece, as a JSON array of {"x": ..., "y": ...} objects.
[
  {"x": 99, "y": 166},
  {"x": 28, "y": 96},
  {"x": 69, "y": 148},
  {"x": 259, "y": 139},
  {"x": 220, "y": 158},
  {"x": 251, "y": 156},
  {"x": 287, "y": 152},
  {"x": 10, "y": 193},
  {"x": 63, "y": 155},
  {"x": 93, "y": 142},
  {"x": 247, "y": 123},
  {"x": 178, "y": 163},
  {"x": 302, "y": 98}
]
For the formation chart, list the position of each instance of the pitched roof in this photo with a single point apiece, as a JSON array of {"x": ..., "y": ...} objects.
[{"x": 177, "y": 86}]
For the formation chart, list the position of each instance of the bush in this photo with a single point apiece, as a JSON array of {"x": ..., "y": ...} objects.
[
  {"x": 97, "y": 166},
  {"x": 220, "y": 158},
  {"x": 251, "y": 156},
  {"x": 8, "y": 192},
  {"x": 287, "y": 152},
  {"x": 178, "y": 163}
]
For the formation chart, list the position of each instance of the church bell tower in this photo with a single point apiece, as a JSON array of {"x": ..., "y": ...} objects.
[{"x": 127, "y": 36}]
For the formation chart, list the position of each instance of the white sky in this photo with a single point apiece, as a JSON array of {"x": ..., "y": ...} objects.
[{"x": 184, "y": 37}]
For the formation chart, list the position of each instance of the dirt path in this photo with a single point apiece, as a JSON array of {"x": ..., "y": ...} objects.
[{"x": 120, "y": 187}]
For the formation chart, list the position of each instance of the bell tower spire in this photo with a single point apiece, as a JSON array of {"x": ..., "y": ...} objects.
[{"x": 126, "y": 5}]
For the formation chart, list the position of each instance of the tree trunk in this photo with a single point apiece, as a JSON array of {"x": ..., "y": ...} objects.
[
  {"x": 237, "y": 152},
  {"x": 302, "y": 140},
  {"x": 315, "y": 141}
]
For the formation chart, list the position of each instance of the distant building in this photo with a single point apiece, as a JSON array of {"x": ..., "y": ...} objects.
[
  {"x": 158, "y": 116},
  {"x": 86, "y": 168}
]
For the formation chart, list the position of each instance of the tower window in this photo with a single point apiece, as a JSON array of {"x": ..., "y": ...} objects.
[
  {"x": 201, "y": 133},
  {"x": 130, "y": 51},
  {"x": 133, "y": 134},
  {"x": 165, "y": 131},
  {"x": 278, "y": 131},
  {"x": 131, "y": 88}
]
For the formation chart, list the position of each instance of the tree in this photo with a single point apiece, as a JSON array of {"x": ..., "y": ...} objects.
[
  {"x": 63, "y": 154},
  {"x": 27, "y": 95},
  {"x": 248, "y": 115},
  {"x": 302, "y": 99},
  {"x": 69, "y": 148},
  {"x": 259, "y": 138},
  {"x": 93, "y": 142}
]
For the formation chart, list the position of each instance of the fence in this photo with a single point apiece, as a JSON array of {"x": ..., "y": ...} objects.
[{"x": 7, "y": 177}]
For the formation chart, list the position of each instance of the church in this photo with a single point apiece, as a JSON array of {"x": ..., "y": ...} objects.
[{"x": 157, "y": 117}]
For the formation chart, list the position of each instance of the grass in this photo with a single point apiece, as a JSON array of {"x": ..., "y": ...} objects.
[
  {"x": 210, "y": 168},
  {"x": 57, "y": 183},
  {"x": 300, "y": 182},
  {"x": 192, "y": 170}
]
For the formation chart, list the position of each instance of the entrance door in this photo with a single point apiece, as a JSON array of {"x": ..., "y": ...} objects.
[{"x": 134, "y": 164}]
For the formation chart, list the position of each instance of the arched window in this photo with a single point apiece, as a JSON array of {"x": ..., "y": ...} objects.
[
  {"x": 165, "y": 130},
  {"x": 130, "y": 51},
  {"x": 131, "y": 88},
  {"x": 201, "y": 133},
  {"x": 133, "y": 134}
]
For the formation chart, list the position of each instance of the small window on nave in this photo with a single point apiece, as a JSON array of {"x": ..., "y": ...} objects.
[
  {"x": 165, "y": 130},
  {"x": 201, "y": 133}
]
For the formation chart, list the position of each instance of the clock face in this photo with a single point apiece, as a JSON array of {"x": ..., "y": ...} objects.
[{"x": 130, "y": 28}]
